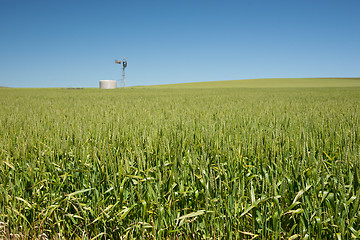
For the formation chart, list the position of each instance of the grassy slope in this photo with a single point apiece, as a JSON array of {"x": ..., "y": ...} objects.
[{"x": 269, "y": 83}]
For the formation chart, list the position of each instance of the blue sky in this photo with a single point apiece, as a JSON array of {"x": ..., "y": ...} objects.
[{"x": 73, "y": 43}]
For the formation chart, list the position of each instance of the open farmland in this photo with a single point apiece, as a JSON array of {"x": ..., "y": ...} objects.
[{"x": 253, "y": 161}]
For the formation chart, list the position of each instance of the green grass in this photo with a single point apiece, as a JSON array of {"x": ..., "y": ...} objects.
[
  {"x": 228, "y": 163},
  {"x": 269, "y": 83}
]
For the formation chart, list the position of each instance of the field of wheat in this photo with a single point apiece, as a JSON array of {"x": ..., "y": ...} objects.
[{"x": 175, "y": 163}]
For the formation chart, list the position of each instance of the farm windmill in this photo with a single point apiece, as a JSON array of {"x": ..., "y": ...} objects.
[{"x": 124, "y": 64}]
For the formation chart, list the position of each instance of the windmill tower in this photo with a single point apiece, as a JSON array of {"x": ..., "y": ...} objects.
[{"x": 124, "y": 64}]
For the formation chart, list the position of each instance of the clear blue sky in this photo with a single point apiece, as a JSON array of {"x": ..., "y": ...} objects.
[{"x": 73, "y": 43}]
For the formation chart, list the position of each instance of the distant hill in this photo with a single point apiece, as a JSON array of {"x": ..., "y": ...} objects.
[{"x": 268, "y": 83}]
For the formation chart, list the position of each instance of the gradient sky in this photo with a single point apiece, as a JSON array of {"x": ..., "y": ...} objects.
[{"x": 73, "y": 43}]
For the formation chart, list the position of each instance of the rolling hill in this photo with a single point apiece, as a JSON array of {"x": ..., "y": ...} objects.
[{"x": 268, "y": 83}]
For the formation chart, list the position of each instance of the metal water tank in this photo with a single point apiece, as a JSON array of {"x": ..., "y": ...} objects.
[{"x": 107, "y": 84}]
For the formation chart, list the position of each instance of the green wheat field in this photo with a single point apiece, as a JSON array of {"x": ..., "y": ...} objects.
[{"x": 247, "y": 159}]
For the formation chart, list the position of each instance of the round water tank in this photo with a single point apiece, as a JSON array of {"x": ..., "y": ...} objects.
[{"x": 108, "y": 84}]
